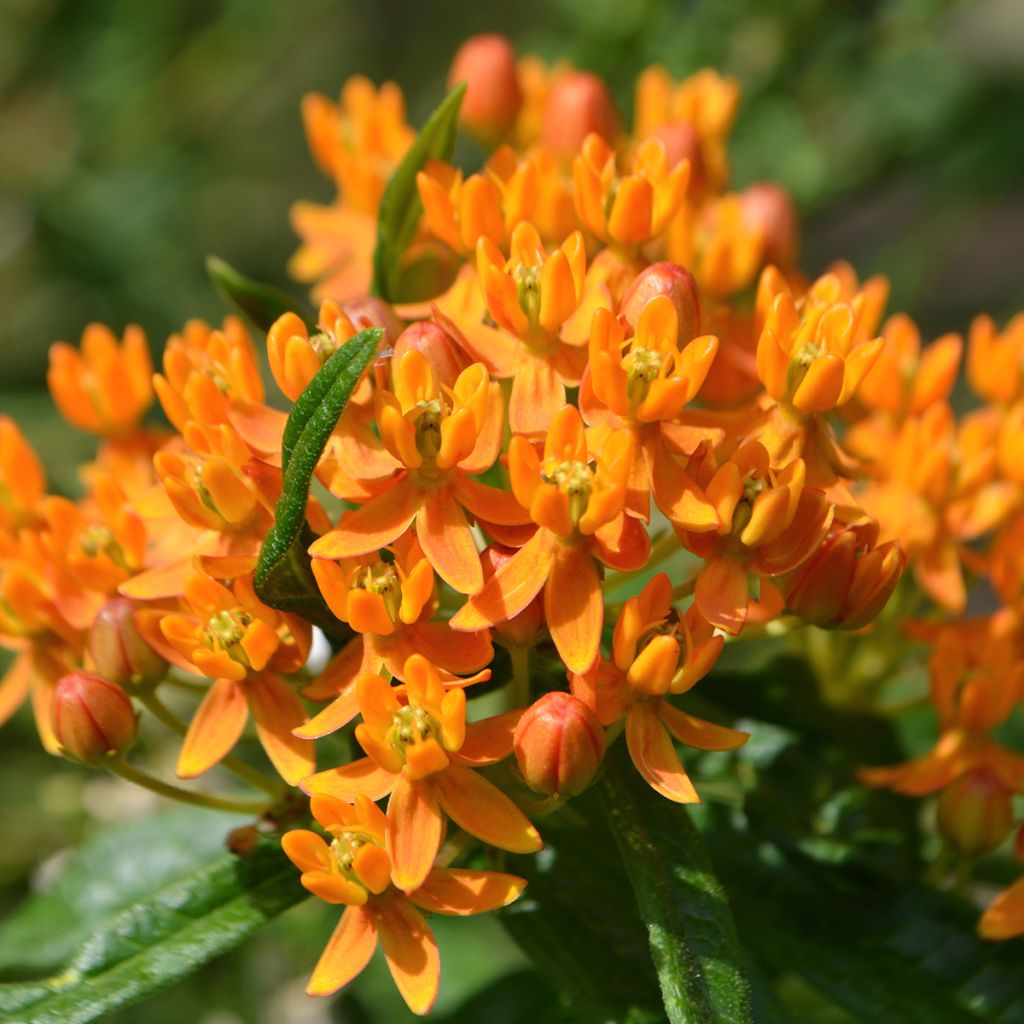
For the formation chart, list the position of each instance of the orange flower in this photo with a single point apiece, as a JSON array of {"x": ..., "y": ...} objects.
[
  {"x": 355, "y": 870},
  {"x": 460, "y": 212},
  {"x": 104, "y": 388},
  {"x": 995, "y": 360},
  {"x": 631, "y": 209},
  {"x": 538, "y": 298},
  {"x": 579, "y": 511},
  {"x": 1004, "y": 917},
  {"x": 295, "y": 356},
  {"x": 421, "y": 751},
  {"x": 206, "y": 371},
  {"x": 391, "y": 605},
  {"x": 235, "y": 640},
  {"x": 22, "y": 481},
  {"x": 768, "y": 524},
  {"x": 642, "y": 385},
  {"x": 656, "y": 651},
  {"x": 433, "y": 442}
]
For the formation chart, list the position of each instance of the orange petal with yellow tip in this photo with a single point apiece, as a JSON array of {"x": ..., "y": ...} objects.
[
  {"x": 481, "y": 809},
  {"x": 629, "y": 222},
  {"x": 574, "y": 607},
  {"x": 489, "y": 740},
  {"x": 215, "y": 728},
  {"x": 537, "y": 395},
  {"x": 373, "y": 866},
  {"x": 366, "y": 612},
  {"x": 557, "y": 292},
  {"x": 423, "y": 759},
  {"x": 464, "y": 891},
  {"x": 1004, "y": 918},
  {"x": 259, "y": 642},
  {"x": 277, "y": 710},
  {"x": 306, "y": 850},
  {"x": 335, "y": 716},
  {"x": 655, "y": 665},
  {"x": 415, "y": 831},
  {"x": 768, "y": 517},
  {"x": 333, "y": 888},
  {"x": 360, "y": 778},
  {"x": 347, "y": 953},
  {"x": 822, "y": 385},
  {"x": 695, "y": 732},
  {"x": 722, "y": 594},
  {"x": 650, "y": 747},
  {"x": 410, "y": 950},
  {"x": 511, "y": 588},
  {"x": 447, "y": 541},
  {"x": 373, "y": 526}
]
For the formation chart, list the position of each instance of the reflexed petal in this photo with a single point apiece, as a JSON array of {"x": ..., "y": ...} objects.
[
  {"x": 696, "y": 732},
  {"x": 722, "y": 594},
  {"x": 215, "y": 728},
  {"x": 1004, "y": 919},
  {"x": 447, "y": 541},
  {"x": 574, "y": 607},
  {"x": 461, "y": 891},
  {"x": 372, "y": 526},
  {"x": 306, "y": 850},
  {"x": 651, "y": 749},
  {"x": 410, "y": 951},
  {"x": 360, "y": 778},
  {"x": 14, "y": 686},
  {"x": 537, "y": 395},
  {"x": 335, "y": 716},
  {"x": 277, "y": 710},
  {"x": 489, "y": 741},
  {"x": 481, "y": 809},
  {"x": 415, "y": 831},
  {"x": 347, "y": 953}
]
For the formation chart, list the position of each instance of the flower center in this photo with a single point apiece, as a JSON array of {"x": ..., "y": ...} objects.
[
  {"x": 225, "y": 630},
  {"x": 741, "y": 515},
  {"x": 381, "y": 578},
  {"x": 345, "y": 847},
  {"x": 642, "y": 366},
  {"x": 575, "y": 480},
  {"x": 528, "y": 289},
  {"x": 428, "y": 428},
  {"x": 413, "y": 724}
]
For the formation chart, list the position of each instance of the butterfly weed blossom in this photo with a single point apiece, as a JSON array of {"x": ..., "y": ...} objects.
[{"x": 607, "y": 375}]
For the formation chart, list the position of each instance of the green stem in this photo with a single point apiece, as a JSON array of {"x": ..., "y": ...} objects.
[
  {"x": 186, "y": 796},
  {"x": 247, "y": 773}
]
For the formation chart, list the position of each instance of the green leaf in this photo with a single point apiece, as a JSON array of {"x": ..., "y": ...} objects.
[
  {"x": 400, "y": 206},
  {"x": 283, "y": 577},
  {"x": 111, "y": 870},
  {"x": 689, "y": 925},
  {"x": 160, "y": 939},
  {"x": 261, "y": 304}
]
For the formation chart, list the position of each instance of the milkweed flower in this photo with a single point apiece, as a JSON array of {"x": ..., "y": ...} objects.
[
  {"x": 22, "y": 479},
  {"x": 354, "y": 869},
  {"x": 656, "y": 651},
  {"x": 577, "y": 505},
  {"x": 421, "y": 752}
]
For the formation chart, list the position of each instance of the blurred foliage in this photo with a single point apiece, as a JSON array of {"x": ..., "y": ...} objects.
[{"x": 137, "y": 138}]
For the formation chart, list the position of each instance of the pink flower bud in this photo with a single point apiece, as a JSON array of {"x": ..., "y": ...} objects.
[
  {"x": 975, "y": 814},
  {"x": 446, "y": 359},
  {"x": 522, "y": 629},
  {"x": 665, "y": 279},
  {"x": 93, "y": 718},
  {"x": 487, "y": 64},
  {"x": 579, "y": 103},
  {"x": 558, "y": 744},
  {"x": 117, "y": 649},
  {"x": 369, "y": 311},
  {"x": 769, "y": 209}
]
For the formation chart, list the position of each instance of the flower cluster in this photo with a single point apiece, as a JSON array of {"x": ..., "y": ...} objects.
[{"x": 607, "y": 377}]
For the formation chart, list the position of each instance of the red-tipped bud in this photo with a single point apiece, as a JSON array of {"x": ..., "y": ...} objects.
[
  {"x": 369, "y": 311},
  {"x": 522, "y": 629},
  {"x": 487, "y": 64},
  {"x": 93, "y": 718},
  {"x": 665, "y": 279},
  {"x": 976, "y": 814},
  {"x": 445, "y": 358},
  {"x": 117, "y": 649},
  {"x": 558, "y": 745},
  {"x": 683, "y": 143},
  {"x": 768, "y": 208},
  {"x": 579, "y": 103}
]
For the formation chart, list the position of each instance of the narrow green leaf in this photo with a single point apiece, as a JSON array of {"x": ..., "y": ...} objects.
[
  {"x": 261, "y": 304},
  {"x": 400, "y": 206},
  {"x": 283, "y": 577},
  {"x": 160, "y": 939},
  {"x": 689, "y": 925}
]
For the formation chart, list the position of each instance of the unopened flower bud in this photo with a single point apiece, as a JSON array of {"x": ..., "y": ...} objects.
[
  {"x": 369, "y": 311},
  {"x": 665, "y": 279},
  {"x": 93, "y": 718},
  {"x": 117, "y": 649},
  {"x": 522, "y": 629},
  {"x": 487, "y": 64},
  {"x": 768, "y": 208},
  {"x": 446, "y": 360},
  {"x": 683, "y": 143},
  {"x": 558, "y": 745},
  {"x": 579, "y": 103},
  {"x": 975, "y": 814}
]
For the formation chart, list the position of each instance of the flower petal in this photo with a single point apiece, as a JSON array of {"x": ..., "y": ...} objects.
[
  {"x": 214, "y": 729},
  {"x": 574, "y": 607},
  {"x": 415, "y": 831},
  {"x": 447, "y": 541},
  {"x": 651, "y": 749},
  {"x": 277, "y": 710},
  {"x": 490, "y": 740},
  {"x": 410, "y": 950},
  {"x": 335, "y": 716},
  {"x": 347, "y": 952},
  {"x": 722, "y": 594},
  {"x": 481, "y": 809},
  {"x": 371, "y": 526},
  {"x": 360, "y": 778},
  {"x": 696, "y": 732},
  {"x": 463, "y": 891},
  {"x": 1004, "y": 919}
]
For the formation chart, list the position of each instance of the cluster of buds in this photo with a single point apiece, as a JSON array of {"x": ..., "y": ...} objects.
[{"x": 607, "y": 360}]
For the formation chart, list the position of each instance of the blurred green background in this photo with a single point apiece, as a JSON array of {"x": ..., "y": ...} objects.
[{"x": 135, "y": 138}]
